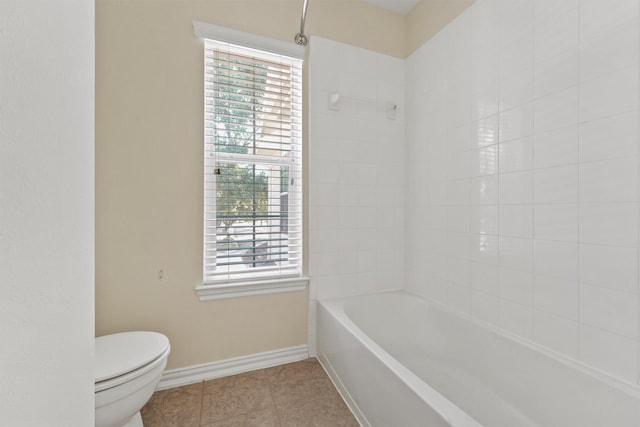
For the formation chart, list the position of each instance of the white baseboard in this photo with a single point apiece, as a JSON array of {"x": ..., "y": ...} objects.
[{"x": 237, "y": 365}]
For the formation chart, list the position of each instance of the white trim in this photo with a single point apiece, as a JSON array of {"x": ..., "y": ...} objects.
[
  {"x": 237, "y": 365},
  {"x": 241, "y": 289},
  {"x": 215, "y": 32}
]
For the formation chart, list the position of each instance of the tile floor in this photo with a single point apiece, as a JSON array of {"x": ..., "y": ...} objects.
[{"x": 294, "y": 395}]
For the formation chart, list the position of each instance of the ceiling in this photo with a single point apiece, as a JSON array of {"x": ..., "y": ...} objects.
[{"x": 402, "y": 7}]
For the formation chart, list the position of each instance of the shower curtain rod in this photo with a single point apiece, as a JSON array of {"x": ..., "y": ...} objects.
[{"x": 300, "y": 38}]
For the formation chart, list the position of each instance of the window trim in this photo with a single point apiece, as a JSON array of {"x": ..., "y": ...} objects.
[
  {"x": 267, "y": 285},
  {"x": 258, "y": 287}
]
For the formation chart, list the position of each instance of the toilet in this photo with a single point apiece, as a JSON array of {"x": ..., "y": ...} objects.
[{"x": 127, "y": 371}]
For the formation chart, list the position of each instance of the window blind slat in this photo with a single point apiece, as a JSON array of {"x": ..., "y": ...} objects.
[{"x": 252, "y": 201}]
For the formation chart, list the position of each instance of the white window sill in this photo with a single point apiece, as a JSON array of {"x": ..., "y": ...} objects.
[{"x": 242, "y": 289}]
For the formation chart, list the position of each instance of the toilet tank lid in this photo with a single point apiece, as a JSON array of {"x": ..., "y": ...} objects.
[{"x": 121, "y": 353}]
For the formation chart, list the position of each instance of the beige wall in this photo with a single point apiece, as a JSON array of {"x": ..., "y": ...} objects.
[
  {"x": 149, "y": 164},
  {"x": 429, "y": 17}
]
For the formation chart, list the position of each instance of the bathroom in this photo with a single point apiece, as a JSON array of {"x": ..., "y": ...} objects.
[{"x": 515, "y": 142}]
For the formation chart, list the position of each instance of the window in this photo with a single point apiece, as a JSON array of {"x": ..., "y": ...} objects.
[{"x": 253, "y": 165}]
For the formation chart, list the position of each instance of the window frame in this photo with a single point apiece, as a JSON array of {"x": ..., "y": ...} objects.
[{"x": 271, "y": 283}]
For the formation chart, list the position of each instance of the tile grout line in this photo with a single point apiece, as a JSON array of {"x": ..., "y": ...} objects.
[
  {"x": 273, "y": 399},
  {"x": 201, "y": 403}
]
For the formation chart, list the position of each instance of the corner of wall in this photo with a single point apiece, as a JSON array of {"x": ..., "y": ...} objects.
[{"x": 428, "y": 18}]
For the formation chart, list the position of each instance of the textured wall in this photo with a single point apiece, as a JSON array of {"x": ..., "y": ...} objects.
[{"x": 46, "y": 213}]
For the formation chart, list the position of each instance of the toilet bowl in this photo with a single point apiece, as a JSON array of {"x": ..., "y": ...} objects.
[{"x": 127, "y": 370}]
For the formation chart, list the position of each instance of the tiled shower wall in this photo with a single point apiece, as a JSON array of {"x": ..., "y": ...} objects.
[
  {"x": 356, "y": 171},
  {"x": 522, "y": 183}
]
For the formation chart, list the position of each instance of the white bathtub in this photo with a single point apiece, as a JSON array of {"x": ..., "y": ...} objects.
[{"x": 401, "y": 361}]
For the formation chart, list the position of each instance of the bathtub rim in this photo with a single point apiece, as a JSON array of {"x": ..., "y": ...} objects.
[{"x": 449, "y": 411}]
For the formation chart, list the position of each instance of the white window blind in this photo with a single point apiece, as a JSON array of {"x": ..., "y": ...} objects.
[{"x": 253, "y": 175}]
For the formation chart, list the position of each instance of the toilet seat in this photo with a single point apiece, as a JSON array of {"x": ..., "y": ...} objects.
[{"x": 127, "y": 355}]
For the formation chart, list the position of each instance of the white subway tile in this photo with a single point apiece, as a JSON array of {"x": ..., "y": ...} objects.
[
  {"x": 610, "y": 94},
  {"x": 367, "y": 239},
  {"x": 436, "y": 265},
  {"x": 347, "y": 262},
  {"x": 558, "y": 147},
  {"x": 556, "y": 222},
  {"x": 458, "y": 245},
  {"x": 484, "y": 161},
  {"x": 432, "y": 240},
  {"x": 516, "y": 220},
  {"x": 557, "y": 333},
  {"x": 325, "y": 125},
  {"x": 557, "y": 110},
  {"x": 323, "y": 218},
  {"x": 556, "y": 185},
  {"x": 326, "y": 194},
  {"x": 556, "y": 27},
  {"x": 485, "y": 101},
  {"x": 345, "y": 240},
  {"x": 459, "y": 271},
  {"x": 613, "y": 311},
  {"x": 515, "y": 54},
  {"x": 484, "y": 249},
  {"x": 563, "y": 74},
  {"x": 322, "y": 149},
  {"x": 459, "y": 219},
  {"x": 516, "y": 123},
  {"x": 484, "y": 306},
  {"x": 611, "y": 267},
  {"x": 516, "y": 188},
  {"x": 609, "y": 180},
  {"x": 485, "y": 22},
  {"x": 516, "y": 253},
  {"x": 516, "y": 318},
  {"x": 515, "y": 18},
  {"x": 348, "y": 195},
  {"x": 484, "y": 220},
  {"x": 557, "y": 296},
  {"x": 516, "y": 155},
  {"x": 516, "y": 30},
  {"x": 516, "y": 286},
  {"x": 556, "y": 259},
  {"x": 557, "y": 72},
  {"x": 486, "y": 131},
  {"x": 613, "y": 224},
  {"x": 367, "y": 260},
  {"x": 609, "y": 138},
  {"x": 322, "y": 241},
  {"x": 458, "y": 192},
  {"x": 609, "y": 352},
  {"x": 597, "y": 17},
  {"x": 484, "y": 190},
  {"x": 459, "y": 297},
  {"x": 516, "y": 89},
  {"x": 348, "y": 217},
  {"x": 367, "y": 216},
  {"x": 434, "y": 288},
  {"x": 367, "y": 196},
  {"x": 610, "y": 51},
  {"x": 484, "y": 278},
  {"x": 323, "y": 264}
]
